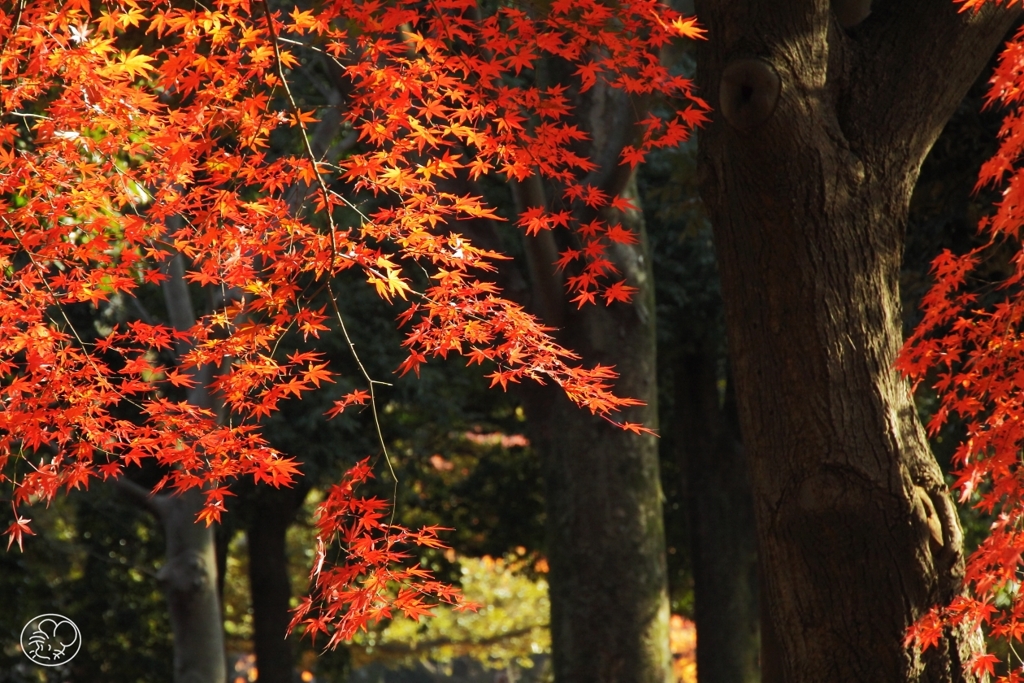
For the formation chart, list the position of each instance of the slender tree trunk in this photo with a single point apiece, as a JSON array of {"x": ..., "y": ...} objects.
[
  {"x": 807, "y": 170},
  {"x": 608, "y": 579},
  {"x": 193, "y": 575},
  {"x": 272, "y": 514},
  {"x": 722, "y": 525},
  {"x": 189, "y": 576},
  {"x": 606, "y": 544},
  {"x": 189, "y": 579}
]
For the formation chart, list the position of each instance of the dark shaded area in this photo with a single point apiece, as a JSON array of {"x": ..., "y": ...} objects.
[{"x": 709, "y": 515}]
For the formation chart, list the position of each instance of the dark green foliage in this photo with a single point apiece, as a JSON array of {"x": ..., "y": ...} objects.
[{"x": 94, "y": 560}]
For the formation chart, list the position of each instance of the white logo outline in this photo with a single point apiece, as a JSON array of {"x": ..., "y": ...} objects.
[{"x": 41, "y": 645}]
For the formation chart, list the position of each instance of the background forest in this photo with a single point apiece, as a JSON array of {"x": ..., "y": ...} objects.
[{"x": 464, "y": 457}]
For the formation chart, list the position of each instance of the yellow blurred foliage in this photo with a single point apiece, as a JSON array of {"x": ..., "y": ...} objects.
[
  {"x": 510, "y": 626},
  {"x": 683, "y": 641}
]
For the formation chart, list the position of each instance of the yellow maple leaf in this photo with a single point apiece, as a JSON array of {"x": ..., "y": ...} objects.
[
  {"x": 134, "y": 64},
  {"x": 688, "y": 28}
]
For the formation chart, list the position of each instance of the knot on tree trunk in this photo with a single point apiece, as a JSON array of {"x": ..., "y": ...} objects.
[
  {"x": 928, "y": 518},
  {"x": 185, "y": 573},
  {"x": 748, "y": 93}
]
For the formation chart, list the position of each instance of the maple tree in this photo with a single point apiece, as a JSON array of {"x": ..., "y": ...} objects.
[{"x": 134, "y": 152}]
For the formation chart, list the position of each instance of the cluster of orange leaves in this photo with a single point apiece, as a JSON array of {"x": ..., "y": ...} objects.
[
  {"x": 970, "y": 347},
  {"x": 357, "y": 589},
  {"x": 131, "y": 130}
]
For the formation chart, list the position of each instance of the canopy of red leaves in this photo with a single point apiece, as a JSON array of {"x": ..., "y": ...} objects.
[{"x": 133, "y": 130}]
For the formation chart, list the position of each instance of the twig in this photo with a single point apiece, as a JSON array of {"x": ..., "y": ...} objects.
[
  {"x": 369, "y": 381},
  {"x": 302, "y": 127}
]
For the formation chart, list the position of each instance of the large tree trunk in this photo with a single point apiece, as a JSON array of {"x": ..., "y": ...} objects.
[
  {"x": 807, "y": 169},
  {"x": 609, "y": 601},
  {"x": 722, "y": 524}
]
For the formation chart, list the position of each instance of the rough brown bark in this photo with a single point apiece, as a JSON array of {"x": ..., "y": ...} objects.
[
  {"x": 807, "y": 169},
  {"x": 724, "y": 545},
  {"x": 609, "y": 603}
]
